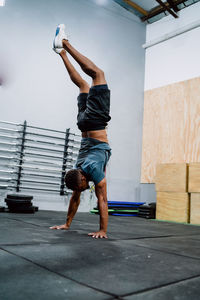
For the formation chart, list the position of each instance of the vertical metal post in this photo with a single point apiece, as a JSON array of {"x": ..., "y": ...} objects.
[
  {"x": 21, "y": 156},
  {"x": 62, "y": 184}
]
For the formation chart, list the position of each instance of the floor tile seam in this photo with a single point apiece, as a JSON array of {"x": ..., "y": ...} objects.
[
  {"x": 193, "y": 239},
  {"x": 141, "y": 238},
  {"x": 154, "y": 237},
  {"x": 60, "y": 243},
  {"x": 57, "y": 273},
  {"x": 161, "y": 286},
  {"x": 39, "y": 243},
  {"x": 29, "y": 223},
  {"x": 185, "y": 235},
  {"x": 116, "y": 298},
  {"x": 168, "y": 252},
  {"x": 32, "y": 244},
  {"x": 22, "y": 221}
]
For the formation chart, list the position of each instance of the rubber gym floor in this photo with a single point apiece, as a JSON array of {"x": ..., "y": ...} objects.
[{"x": 141, "y": 259}]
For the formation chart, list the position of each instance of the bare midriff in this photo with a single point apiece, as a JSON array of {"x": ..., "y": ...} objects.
[{"x": 100, "y": 135}]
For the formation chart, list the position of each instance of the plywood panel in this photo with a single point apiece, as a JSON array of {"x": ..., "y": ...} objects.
[
  {"x": 195, "y": 208},
  {"x": 171, "y": 126},
  {"x": 192, "y": 125},
  {"x": 194, "y": 177},
  {"x": 172, "y": 206},
  {"x": 171, "y": 177}
]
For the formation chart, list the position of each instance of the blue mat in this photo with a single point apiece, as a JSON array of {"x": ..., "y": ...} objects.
[
  {"x": 125, "y": 203},
  {"x": 124, "y": 215}
]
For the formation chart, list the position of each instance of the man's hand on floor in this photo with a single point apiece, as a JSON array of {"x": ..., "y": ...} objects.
[
  {"x": 62, "y": 227},
  {"x": 99, "y": 234}
]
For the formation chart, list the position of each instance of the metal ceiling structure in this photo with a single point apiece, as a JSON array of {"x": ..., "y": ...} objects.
[{"x": 151, "y": 11}]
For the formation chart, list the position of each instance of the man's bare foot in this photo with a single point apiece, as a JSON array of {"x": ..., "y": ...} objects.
[{"x": 62, "y": 227}]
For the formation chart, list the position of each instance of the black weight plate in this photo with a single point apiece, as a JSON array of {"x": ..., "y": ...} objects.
[
  {"x": 145, "y": 207},
  {"x": 36, "y": 208},
  {"x": 19, "y": 197},
  {"x": 146, "y": 217},
  {"x": 22, "y": 206},
  {"x": 2, "y": 209},
  {"x": 17, "y": 202},
  {"x": 151, "y": 210},
  {"x": 28, "y": 210},
  {"x": 144, "y": 214},
  {"x": 152, "y": 204}
]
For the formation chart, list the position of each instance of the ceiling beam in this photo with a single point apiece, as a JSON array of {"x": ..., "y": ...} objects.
[
  {"x": 136, "y": 7},
  {"x": 158, "y": 10},
  {"x": 175, "y": 7},
  {"x": 167, "y": 8}
]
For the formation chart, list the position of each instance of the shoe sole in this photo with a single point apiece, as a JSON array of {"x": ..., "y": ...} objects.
[{"x": 59, "y": 27}]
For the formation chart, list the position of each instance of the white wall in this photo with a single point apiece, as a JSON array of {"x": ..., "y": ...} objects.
[
  {"x": 176, "y": 59},
  {"x": 36, "y": 86}
]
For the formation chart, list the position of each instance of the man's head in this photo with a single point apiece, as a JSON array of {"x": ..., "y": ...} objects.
[{"x": 75, "y": 180}]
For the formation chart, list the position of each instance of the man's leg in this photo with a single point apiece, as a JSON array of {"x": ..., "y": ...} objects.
[
  {"x": 86, "y": 64},
  {"x": 74, "y": 75}
]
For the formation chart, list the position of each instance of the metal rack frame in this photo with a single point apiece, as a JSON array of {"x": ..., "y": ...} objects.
[{"x": 36, "y": 158}]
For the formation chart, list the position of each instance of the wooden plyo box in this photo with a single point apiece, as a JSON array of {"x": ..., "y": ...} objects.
[
  {"x": 172, "y": 177},
  {"x": 194, "y": 178},
  {"x": 172, "y": 207},
  {"x": 195, "y": 208}
]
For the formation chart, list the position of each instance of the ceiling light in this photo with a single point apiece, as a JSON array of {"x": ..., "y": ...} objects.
[
  {"x": 2, "y": 2},
  {"x": 101, "y": 2}
]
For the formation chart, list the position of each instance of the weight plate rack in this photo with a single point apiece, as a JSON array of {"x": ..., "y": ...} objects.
[{"x": 35, "y": 158}]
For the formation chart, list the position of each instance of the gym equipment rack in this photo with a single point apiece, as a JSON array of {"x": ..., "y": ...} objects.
[{"x": 36, "y": 158}]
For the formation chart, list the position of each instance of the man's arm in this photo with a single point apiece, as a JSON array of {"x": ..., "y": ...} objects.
[
  {"x": 73, "y": 206},
  {"x": 101, "y": 193}
]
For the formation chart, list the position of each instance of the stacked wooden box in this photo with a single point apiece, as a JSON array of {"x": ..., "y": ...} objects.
[
  {"x": 178, "y": 192},
  {"x": 194, "y": 190}
]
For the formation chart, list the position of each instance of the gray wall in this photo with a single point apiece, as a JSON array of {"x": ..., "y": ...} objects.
[{"x": 37, "y": 88}]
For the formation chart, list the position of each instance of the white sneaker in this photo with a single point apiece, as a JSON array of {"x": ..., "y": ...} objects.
[
  {"x": 58, "y": 50},
  {"x": 60, "y": 36}
]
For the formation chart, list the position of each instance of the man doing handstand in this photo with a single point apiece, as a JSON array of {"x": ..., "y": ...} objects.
[{"x": 93, "y": 115}]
